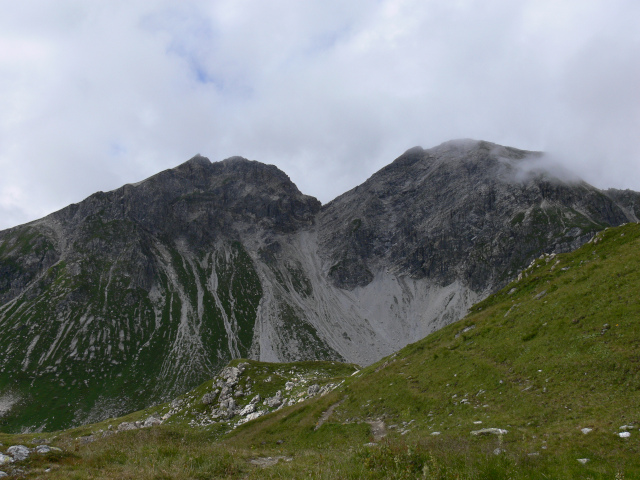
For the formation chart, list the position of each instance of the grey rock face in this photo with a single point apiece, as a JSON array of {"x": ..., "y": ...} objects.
[
  {"x": 146, "y": 291},
  {"x": 464, "y": 210}
]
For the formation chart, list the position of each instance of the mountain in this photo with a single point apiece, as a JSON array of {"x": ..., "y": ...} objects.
[
  {"x": 539, "y": 380},
  {"x": 136, "y": 295}
]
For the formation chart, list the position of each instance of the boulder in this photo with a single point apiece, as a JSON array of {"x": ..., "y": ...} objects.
[
  {"x": 274, "y": 401},
  {"x": 228, "y": 403},
  {"x": 209, "y": 398},
  {"x": 248, "y": 409},
  {"x": 5, "y": 459},
  {"x": 43, "y": 449},
  {"x": 18, "y": 452},
  {"x": 313, "y": 389},
  {"x": 151, "y": 421},
  {"x": 124, "y": 426}
]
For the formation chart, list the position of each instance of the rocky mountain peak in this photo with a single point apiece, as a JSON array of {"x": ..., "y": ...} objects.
[
  {"x": 435, "y": 213},
  {"x": 135, "y": 295}
]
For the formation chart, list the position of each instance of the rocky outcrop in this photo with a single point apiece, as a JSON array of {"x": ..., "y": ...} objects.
[
  {"x": 235, "y": 397},
  {"x": 146, "y": 291}
]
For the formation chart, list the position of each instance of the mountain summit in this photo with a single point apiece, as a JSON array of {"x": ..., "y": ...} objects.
[{"x": 133, "y": 296}]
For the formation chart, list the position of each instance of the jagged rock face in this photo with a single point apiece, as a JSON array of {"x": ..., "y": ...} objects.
[
  {"x": 134, "y": 296},
  {"x": 464, "y": 210}
]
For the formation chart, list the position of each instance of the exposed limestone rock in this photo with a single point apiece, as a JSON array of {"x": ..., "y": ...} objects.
[
  {"x": 251, "y": 416},
  {"x": 5, "y": 459},
  {"x": 247, "y": 410},
  {"x": 19, "y": 452},
  {"x": 209, "y": 398},
  {"x": 124, "y": 426},
  {"x": 151, "y": 421},
  {"x": 274, "y": 401}
]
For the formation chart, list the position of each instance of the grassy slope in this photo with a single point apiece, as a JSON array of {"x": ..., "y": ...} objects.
[{"x": 538, "y": 362}]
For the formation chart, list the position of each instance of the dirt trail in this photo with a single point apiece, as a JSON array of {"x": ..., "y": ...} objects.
[{"x": 325, "y": 416}]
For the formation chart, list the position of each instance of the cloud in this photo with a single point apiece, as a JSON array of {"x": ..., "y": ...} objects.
[{"x": 95, "y": 95}]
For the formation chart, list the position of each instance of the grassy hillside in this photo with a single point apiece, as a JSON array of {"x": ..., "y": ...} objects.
[{"x": 548, "y": 357}]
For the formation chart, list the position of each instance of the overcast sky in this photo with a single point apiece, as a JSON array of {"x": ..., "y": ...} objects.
[{"x": 96, "y": 94}]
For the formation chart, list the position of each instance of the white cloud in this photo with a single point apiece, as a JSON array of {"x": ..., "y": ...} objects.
[{"x": 97, "y": 94}]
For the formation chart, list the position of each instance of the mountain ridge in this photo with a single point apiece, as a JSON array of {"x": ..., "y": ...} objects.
[{"x": 133, "y": 296}]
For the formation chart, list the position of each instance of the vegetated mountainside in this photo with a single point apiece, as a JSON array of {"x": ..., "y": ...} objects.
[
  {"x": 134, "y": 296},
  {"x": 540, "y": 380}
]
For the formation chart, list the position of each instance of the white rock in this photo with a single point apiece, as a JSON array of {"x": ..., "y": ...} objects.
[
  {"x": 583, "y": 460},
  {"x": 2, "y": 474},
  {"x": 248, "y": 409},
  {"x": 313, "y": 389},
  {"x": 254, "y": 415},
  {"x": 586, "y": 430},
  {"x": 124, "y": 426},
  {"x": 626, "y": 427},
  {"x": 43, "y": 449},
  {"x": 435, "y": 433},
  {"x": 209, "y": 398},
  {"x": 289, "y": 385},
  {"x": 275, "y": 400},
  {"x": 5, "y": 459},
  {"x": 251, "y": 416},
  {"x": 624, "y": 434},
  {"x": 151, "y": 421},
  {"x": 18, "y": 452}
]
